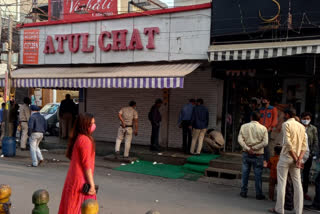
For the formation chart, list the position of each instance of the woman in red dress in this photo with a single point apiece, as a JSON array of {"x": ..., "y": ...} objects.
[{"x": 81, "y": 152}]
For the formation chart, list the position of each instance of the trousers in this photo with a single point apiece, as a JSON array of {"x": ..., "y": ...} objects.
[
  {"x": 124, "y": 133},
  {"x": 316, "y": 200},
  {"x": 256, "y": 162},
  {"x": 24, "y": 135},
  {"x": 197, "y": 135},
  {"x": 306, "y": 174},
  {"x": 66, "y": 124},
  {"x": 272, "y": 185},
  {"x": 155, "y": 136},
  {"x": 287, "y": 166},
  {"x": 186, "y": 136},
  {"x": 35, "y": 151}
]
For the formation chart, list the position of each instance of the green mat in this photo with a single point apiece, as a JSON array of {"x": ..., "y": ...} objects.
[
  {"x": 202, "y": 159},
  {"x": 161, "y": 170},
  {"x": 194, "y": 169}
]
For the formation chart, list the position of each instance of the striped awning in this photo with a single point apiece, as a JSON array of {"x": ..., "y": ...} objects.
[
  {"x": 252, "y": 51},
  {"x": 134, "y": 76}
]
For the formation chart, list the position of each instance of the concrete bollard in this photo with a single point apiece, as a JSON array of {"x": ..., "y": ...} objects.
[
  {"x": 5, "y": 204},
  {"x": 90, "y": 206},
  {"x": 40, "y": 199},
  {"x": 153, "y": 212}
]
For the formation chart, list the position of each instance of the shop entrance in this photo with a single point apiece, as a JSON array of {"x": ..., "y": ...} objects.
[
  {"x": 245, "y": 94},
  {"x": 287, "y": 82}
]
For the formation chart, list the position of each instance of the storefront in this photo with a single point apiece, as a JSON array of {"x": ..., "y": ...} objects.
[
  {"x": 265, "y": 49},
  {"x": 141, "y": 57}
]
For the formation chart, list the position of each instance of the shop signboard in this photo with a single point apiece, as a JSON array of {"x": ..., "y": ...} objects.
[
  {"x": 163, "y": 37},
  {"x": 31, "y": 46},
  {"x": 263, "y": 19},
  {"x": 81, "y": 9}
]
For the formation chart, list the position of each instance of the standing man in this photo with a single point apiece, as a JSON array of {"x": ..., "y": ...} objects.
[
  {"x": 253, "y": 137},
  {"x": 37, "y": 127},
  {"x": 268, "y": 118},
  {"x": 24, "y": 117},
  {"x": 290, "y": 162},
  {"x": 199, "y": 123},
  {"x": 67, "y": 113},
  {"x": 313, "y": 144},
  {"x": 155, "y": 119},
  {"x": 128, "y": 122},
  {"x": 184, "y": 123}
]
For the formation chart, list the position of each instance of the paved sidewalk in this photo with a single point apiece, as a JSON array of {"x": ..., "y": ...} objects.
[{"x": 171, "y": 156}]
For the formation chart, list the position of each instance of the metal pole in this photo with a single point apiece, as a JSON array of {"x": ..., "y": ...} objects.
[
  {"x": 8, "y": 77},
  {"x": 0, "y": 25}
]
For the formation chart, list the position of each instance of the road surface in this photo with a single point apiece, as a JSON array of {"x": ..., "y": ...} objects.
[{"x": 124, "y": 193}]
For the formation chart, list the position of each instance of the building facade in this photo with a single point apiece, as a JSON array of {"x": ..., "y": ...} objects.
[
  {"x": 113, "y": 60},
  {"x": 265, "y": 49}
]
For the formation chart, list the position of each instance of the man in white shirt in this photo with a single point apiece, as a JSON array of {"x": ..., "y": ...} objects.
[{"x": 253, "y": 137}]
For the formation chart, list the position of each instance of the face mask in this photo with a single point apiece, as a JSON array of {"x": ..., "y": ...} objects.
[
  {"x": 305, "y": 122},
  {"x": 92, "y": 128}
]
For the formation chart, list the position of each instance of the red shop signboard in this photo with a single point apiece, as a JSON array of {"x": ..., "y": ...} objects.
[{"x": 81, "y": 9}]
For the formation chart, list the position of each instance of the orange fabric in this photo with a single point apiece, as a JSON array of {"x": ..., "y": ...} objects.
[
  {"x": 83, "y": 158},
  {"x": 272, "y": 165},
  {"x": 269, "y": 117}
]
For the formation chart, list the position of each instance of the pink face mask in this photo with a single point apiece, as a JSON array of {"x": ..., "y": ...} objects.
[{"x": 93, "y": 128}]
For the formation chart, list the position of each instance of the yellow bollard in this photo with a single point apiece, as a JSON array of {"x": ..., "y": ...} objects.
[
  {"x": 90, "y": 206},
  {"x": 5, "y": 204}
]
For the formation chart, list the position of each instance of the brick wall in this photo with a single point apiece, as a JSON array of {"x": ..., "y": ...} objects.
[{"x": 106, "y": 103}]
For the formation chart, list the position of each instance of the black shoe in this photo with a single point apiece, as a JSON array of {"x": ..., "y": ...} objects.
[
  {"x": 117, "y": 155},
  {"x": 155, "y": 148},
  {"x": 311, "y": 208},
  {"x": 261, "y": 197},
  {"x": 243, "y": 195}
]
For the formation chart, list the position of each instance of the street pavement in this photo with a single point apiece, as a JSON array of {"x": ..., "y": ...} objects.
[{"x": 124, "y": 193}]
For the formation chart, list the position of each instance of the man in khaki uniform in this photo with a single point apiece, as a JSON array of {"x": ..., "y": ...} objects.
[
  {"x": 128, "y": 122},
  {"x": 24, "y": 117}
]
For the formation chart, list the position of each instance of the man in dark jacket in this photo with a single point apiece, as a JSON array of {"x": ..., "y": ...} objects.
[
  {"x": 155, "y": 119},
  {"x": 199, "y": 123},
  {"x": 66, "y": 113},
  {"x": 37, "y": 126}
]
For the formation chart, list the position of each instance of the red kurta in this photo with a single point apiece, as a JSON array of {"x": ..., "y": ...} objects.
[{"x": 83, "y": 158}]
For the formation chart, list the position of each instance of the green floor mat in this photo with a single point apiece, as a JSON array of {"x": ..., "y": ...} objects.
[
  {"x": 161, "y": 170},
  {"x": 195, "y": 168},
  {"x": 202, "y": 159}
]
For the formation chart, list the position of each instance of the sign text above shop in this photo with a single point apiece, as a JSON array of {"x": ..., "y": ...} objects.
[{"x": 115, "y": 40}]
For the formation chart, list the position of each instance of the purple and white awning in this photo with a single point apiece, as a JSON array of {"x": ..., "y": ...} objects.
[
  {"x": 157, "y": 82},
  {"x": 134, "y": 76}
]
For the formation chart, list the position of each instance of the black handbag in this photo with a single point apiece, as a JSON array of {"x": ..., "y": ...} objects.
[{"x": 86, "y": 188}]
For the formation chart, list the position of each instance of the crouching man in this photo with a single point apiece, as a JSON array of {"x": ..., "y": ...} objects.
[
  {"x": 37, "y": 126},
  {"x": 214, "y": 141}
]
